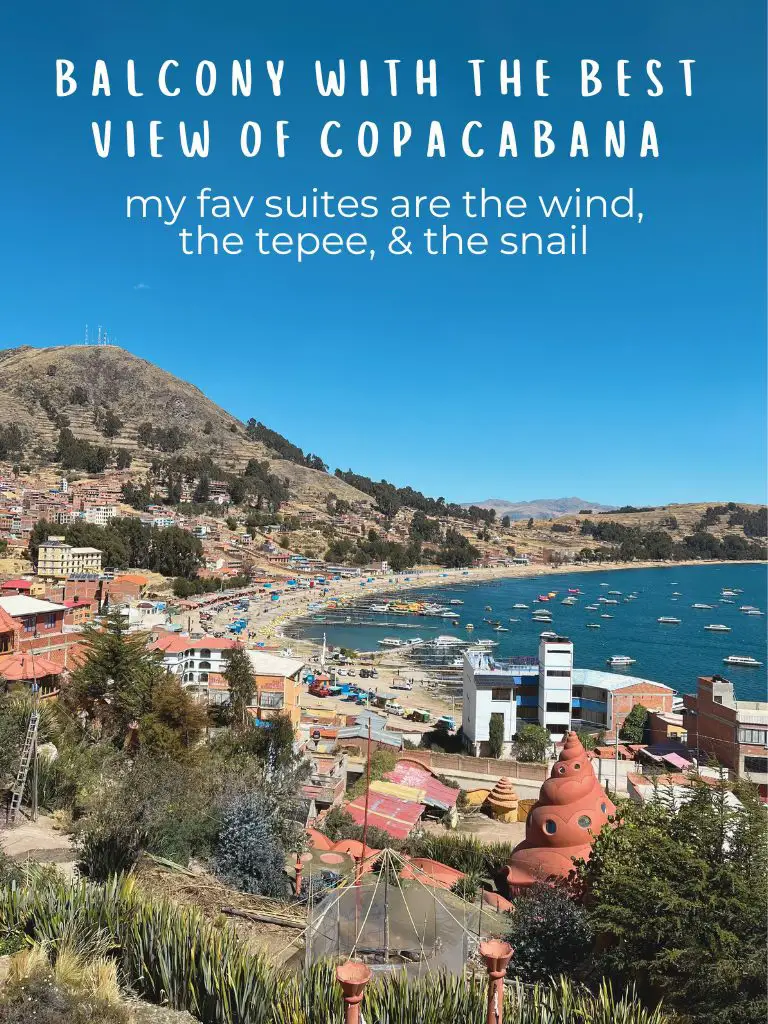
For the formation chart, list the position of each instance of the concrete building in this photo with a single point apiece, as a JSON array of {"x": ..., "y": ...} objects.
[
  {"x": 199, "y": 664},
  {"x": 732, "y": 732},
  {"x": 58, "y": 560},
  {"x": 548, "y": 691},
  {"x": 278, "y": 686},
  {"x": 99, "y": 515}
]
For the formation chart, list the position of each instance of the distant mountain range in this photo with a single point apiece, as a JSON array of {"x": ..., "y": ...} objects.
[{"x": 539, "y": 508}]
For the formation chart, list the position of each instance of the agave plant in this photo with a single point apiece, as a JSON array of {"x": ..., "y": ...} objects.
[{"x": 172, "y": 955}]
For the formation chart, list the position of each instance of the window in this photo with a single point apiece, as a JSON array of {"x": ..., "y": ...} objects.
[
  {"x": 604, "y": 808},
  {"x": 500, "y": 693},
  {"x": 584, "y": 821},
  {"x": 757, "y": 736},
  {"x": 205, "y": 664},
  {"x": 562, "y": 673},
  {"x": 29, "y": 623},
  {"x": 205, "y": 653},
  {"x": 203, "y": 677},
  {"x": 550, "y": 827},
  {"x": 756, "y": 764},
  {"x": 50, "y": 620},
  {"x": 561, "y": 730},
  {"x": 554, "y": 706},
  {"x": 271, "y": 700}
]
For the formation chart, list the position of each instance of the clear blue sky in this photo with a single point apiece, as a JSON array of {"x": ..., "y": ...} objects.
[{"x": 636, "y": 374}]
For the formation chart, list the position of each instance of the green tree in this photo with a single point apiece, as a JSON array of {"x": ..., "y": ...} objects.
[
  {"x": 123, "y": 459},
  {"x": 532, "y": 743},
  {"x": 550, "y": 933},
  {"x": 634, "y": 725},
  {"x": 676, "y": 898},
  {"x": 113, "y": 686},
  {"x": 496, "y": 735},
  {"x": 175, "y": 721},
  {"x": 249, "y": 855},
  {"x": 242, "y": 686},
  {"x": 203, "y": 491},
  {"x": 506, "y": 522}
]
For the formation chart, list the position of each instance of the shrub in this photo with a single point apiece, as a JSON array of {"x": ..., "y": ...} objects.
[
  {"x": 248, "y": 854},
  {"x": 549, "y": 933}
]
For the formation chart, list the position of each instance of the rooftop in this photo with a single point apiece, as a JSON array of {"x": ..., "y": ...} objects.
[
  {"x": 610, "y": 680},
  {"x": 20, "y": 604},
  {"x": 484, "y": 662},
  {"x": 265, "y": 664}
]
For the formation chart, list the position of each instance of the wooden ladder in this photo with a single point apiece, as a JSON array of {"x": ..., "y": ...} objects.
[{"x": 27, "y": 753}]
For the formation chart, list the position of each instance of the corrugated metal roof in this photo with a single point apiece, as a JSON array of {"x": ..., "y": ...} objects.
[
  {"x": 397, "y": 817},
  {"x": 436, "y": 793}
]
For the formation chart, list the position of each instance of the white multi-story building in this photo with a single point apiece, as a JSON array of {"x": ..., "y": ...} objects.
[
  {"x": 99, "y": 515},
  {"x": 488, "y": 690},
  {"x": 555, "y": 681},
  {"x": 199, "y": 663}
]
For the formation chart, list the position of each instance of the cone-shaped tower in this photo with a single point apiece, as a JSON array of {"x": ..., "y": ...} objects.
[
  {"x": 502, "y": 801},
  {"x": 572, "y": 804}
]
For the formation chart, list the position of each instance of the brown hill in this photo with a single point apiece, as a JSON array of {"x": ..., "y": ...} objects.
[{"x": 82, "y": 383}]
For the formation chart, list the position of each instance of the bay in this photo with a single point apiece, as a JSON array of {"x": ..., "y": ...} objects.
[{"x": 672, "y": 654}]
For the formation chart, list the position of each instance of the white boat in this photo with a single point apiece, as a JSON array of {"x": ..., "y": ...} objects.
[
  {"x": 455, "y": 600},
  {"x": 568, "y": 600},
  {"x": 610, "y": 600},
  {"x": 707, "y": 606},
  {"x": 487, "y": 643},
  {"x": 727, "y": 600},
  {"x": 605, "y": 615},
  {"x": 616, "y": 592},
  {"x": 592, "y": 607},
  {"x": 448, "y": 641},
  {"x": 676, "y": 593},
  {"x": 469, "y": 626},
  {"x": 450, "y": 615},
  {"x": 743, "y": 660},
  {"x": 618, "y": 660},
  {"x": 593, "y": 625},
  {"x": 390, "y": 641},
  {"x": 668, "y": 620},
  {"x": 725, "y": 592},
  {"x": 500, "y": 629},
  {"x": 519, "y": 605},
  {"x": 753, "y": 611},
  {"x": 379, "y": 608},
  {"x": 718, "y": 627},
  {"x": 605, "y": 584}
]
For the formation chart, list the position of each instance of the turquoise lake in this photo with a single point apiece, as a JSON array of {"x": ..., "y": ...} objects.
[{"x": 672, "y": 654}]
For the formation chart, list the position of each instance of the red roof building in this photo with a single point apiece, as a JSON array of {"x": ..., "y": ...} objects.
[{"x": 415, "y": 775}]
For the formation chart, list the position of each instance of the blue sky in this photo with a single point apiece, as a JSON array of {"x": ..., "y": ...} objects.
[{"x": 636, "y": 374}]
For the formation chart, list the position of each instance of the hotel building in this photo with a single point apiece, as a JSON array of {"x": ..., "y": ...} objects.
[
  {"x": 548, "y": 691},
  {"x": 58, "y": 560}
]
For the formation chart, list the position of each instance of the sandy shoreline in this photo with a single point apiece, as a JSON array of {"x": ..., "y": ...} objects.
[{"x": 292, "y": 606}]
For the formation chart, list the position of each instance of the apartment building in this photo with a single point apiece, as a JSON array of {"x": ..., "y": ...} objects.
[
  {"x": 58, "y": 560},
  {"x": 278, "y": 686},
  {"x": 547, "y": 690},
  {"x": 200, "y": 664},
  {"x": 732, "y": 732}
]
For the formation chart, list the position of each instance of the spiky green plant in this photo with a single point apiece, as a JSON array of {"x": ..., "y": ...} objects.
[{"x": 173, "y": 955}]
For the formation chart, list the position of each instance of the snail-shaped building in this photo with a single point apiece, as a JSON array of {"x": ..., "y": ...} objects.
[{"x": 571, "y": 810}]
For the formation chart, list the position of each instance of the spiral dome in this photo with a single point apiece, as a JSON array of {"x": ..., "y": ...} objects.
[
  {"x": 561, "y": 826},
  {"x": 502, "y": 801}
]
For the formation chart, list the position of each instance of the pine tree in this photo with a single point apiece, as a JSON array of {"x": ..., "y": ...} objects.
[
  {"x": 242, "y": 686},
  {"x": 115, "y": 682}
]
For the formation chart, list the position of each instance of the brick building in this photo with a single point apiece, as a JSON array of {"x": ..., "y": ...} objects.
[{"x": 732, "y": 732}]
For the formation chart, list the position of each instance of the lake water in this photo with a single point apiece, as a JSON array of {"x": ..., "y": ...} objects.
[{"x": 671, "y": 654}]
